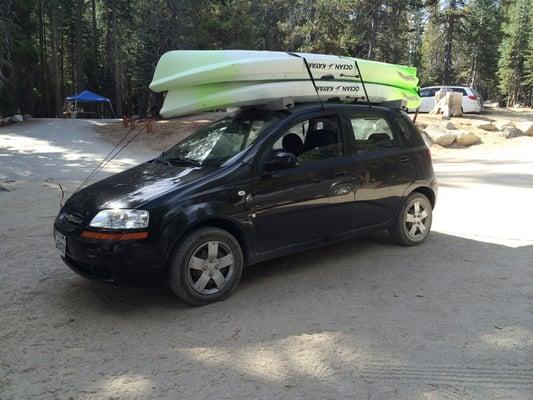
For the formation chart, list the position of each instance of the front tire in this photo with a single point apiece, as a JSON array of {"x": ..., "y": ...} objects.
[
  {"x": 205, "y": 266},
  {"x": 413, "y": 223}
]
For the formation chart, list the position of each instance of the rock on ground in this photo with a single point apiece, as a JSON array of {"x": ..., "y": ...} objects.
[
  {"x": 502, "y": 124},
  {"x": 449, "y": 125},
  {"x": 467, "y": 139},
  {"x": 427, "y": 139},
  {"x": 526, "y": 127},
  {"x": 17, "y": 118},
  {"x": 485, "y": 125},
  {"x": 440, "y": 135},
  {"x": 510, "y": 133}
]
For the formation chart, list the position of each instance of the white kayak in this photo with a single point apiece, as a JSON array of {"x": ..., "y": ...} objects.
[
  {"x": 186, "y": 100},
  {"x": 183, "y": 68}
]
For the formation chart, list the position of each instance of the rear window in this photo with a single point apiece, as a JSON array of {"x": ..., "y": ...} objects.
[{"x": 460, "y": 90}]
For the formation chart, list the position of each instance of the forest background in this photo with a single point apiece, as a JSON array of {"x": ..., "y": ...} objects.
[{"x": 50, "y": 49}]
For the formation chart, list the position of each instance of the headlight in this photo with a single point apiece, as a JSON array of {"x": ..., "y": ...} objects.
[{"x": 121, "y": 219}]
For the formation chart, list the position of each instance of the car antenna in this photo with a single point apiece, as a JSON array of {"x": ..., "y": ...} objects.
[
  {"x": 115, "y": 151},
  {"x": 310, "y": 76},
  {"x": 360, "y": 76}
]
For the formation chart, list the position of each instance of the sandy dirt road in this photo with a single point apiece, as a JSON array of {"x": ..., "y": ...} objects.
[{"x": 365, "y": 319}]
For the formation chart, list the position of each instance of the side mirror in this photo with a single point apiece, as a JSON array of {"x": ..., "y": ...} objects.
[{"x": 281, "y": 160}]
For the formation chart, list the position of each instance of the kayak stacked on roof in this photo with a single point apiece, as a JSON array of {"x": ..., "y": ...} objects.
[{"x": 197, "y": 80}]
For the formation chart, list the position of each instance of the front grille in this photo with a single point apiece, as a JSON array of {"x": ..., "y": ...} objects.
[{"x": 69, "y": 221}]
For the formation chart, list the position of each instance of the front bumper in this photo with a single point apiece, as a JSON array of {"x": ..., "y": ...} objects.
[
  {"x": 129, "y": 261},
  {"x": 135, "y": 261}
]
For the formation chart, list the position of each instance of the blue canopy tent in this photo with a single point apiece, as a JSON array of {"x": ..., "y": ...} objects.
[{"x": 89, "y": 97}]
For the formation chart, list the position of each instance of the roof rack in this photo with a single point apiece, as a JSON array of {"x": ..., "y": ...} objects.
[{"x": 287, "y": 103}]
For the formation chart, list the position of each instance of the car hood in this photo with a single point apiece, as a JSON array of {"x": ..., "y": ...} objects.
[{"x": 133, "y": 187}]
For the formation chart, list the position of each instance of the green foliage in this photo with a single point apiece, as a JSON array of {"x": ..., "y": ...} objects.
[
  {"x": 529, "y": 55},
  {"x": 482, "y": 37},
  {"x": 512, "y": 62}
]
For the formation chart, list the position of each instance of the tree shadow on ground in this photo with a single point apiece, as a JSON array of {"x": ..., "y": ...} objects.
[{"x": 337, "y": 320}]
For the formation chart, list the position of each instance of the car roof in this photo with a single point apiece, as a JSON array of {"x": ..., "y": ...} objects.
[
  {"x": 307, "y": 107},
  {"x": 446, "y": 86}
]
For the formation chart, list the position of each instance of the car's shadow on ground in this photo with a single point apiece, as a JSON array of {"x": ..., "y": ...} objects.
[{"x": 354, "y": 266}]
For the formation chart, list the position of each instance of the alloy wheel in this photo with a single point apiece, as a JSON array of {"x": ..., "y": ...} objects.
[
  {"x": 417, "y": 220},
  {"x": 210, "y": 267}
]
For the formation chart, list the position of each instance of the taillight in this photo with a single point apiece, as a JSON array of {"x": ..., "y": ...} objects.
[
  {"x": 472, "y": 97},
  {"x": 428, "y": 154}
]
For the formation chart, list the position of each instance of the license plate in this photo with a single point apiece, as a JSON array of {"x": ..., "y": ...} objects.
[{"x": 61, "y": 243}]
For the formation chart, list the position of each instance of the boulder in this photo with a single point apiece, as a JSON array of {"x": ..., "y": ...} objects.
[
  {"x": 502, "y": 124},
  {"x": 510, "y": 133},
  {"x": 17, "y": 118},
  {"x": 467, "y": 139},
  {"x": 6, "y": 120},
  {"x": 440, "y": 135},
  {"x": 485, "y": 125},
  {"x": 27, "y": 116},
  {"x": 526, "y": 127},
  {"x": 427, "y": 139},
  {"x": 450, "y": 126}
]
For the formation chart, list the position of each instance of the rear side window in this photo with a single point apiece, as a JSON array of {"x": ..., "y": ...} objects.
[
  {"x": 432, "y": 91},
  {"x": 424, "y": 93},
  {"x": 408, "y": 130},
  {"x": 460, "y": 90},
  {"x": 372, "y": 133}
]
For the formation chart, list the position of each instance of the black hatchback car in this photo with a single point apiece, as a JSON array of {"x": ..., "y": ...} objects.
[{"x": 250, "y": 187}]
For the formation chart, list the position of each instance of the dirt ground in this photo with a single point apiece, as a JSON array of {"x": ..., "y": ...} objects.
[{"x": 364, "y": 319}]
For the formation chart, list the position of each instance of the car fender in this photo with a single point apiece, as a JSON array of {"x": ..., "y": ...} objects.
[{"x": 210, "y": 213}]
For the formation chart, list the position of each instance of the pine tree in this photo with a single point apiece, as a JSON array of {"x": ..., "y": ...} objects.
[
  {"x": 432, "y": 51},
  {"x": 480, "y": 48},
  {"x": 513, "y": 49},
  {"x": 415, "y": 35},
  {"x": 529, "y": 63}
]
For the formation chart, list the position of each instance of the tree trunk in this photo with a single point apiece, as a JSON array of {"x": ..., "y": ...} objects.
[
  {"x": 78, "y": 72},
  {"x": 94, "y": 57},
  {"x": 45, "y": 92},
  {"x": 115, "y": 57},
  {"x": 448, "y": 48},
  {"x": 374, "y": 25},
  {"x": 55, "y": 73}
]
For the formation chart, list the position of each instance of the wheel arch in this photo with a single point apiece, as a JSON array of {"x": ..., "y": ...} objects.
[
  {"x": 426, "y": 191},
  {"x": 225, "y": 224}
]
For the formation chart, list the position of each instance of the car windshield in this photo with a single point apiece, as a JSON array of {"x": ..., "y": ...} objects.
[{"x": 220, "y": 141}]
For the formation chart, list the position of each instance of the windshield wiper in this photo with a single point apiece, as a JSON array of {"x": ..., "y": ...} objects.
[
  {"x": 160, "y": 159},
  {"x": 182, "y": 160}
]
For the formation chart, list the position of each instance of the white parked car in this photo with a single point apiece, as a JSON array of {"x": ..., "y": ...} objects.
[{"x": 472, "y": 102}]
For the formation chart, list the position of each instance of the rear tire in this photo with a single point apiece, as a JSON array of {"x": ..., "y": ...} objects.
[
  {"x": 206, "y": 266},
  {"x": 414, "y": 220}
]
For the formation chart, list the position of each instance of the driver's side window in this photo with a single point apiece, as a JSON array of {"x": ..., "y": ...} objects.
[{"x": 312, "y": 140}]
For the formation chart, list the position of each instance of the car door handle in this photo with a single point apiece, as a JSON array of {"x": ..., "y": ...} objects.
[{"x": 404, "y": 159}]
